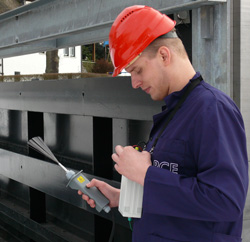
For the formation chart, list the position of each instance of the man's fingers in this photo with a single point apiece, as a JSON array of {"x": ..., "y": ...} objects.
[
  {"x": 116, "y": 167},
  {"x": 119, "y": 149},
  {"x": 91, "y": 203},
  {"x": 115, "y": 157},
  {"x": 85, "y": 197},
  {"x": 93, "y": 183}
]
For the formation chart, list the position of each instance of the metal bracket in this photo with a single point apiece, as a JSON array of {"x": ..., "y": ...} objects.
[
  {"x": 182, "y": 17},
  {"x": 207, "y": 23},
  {"x": 191, "y": 5}
]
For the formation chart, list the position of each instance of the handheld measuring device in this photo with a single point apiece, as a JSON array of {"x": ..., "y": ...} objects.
[{"x": 77, "y": 181}]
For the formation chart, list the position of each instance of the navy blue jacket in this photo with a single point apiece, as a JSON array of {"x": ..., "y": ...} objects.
[{"x": 196, "y": 189}]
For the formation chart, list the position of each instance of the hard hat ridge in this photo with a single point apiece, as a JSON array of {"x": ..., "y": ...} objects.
[{"x": 127, "y": 15}]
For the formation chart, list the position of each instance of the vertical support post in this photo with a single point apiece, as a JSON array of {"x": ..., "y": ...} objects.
[
  {"x": 236, "y": 51},
  {"x": 211, "y": 45},
  {"x": 94, "y": 56},
  {"x": 1, "y": 67},
  {"x": 207, "y": 23},
  {"x": 37, "y": 198},
  {"x": 14, "y": 125},
  {"x": 103, "y": 167}
]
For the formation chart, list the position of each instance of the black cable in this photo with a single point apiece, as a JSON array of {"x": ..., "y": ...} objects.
[{"x": 111, "y": 237}]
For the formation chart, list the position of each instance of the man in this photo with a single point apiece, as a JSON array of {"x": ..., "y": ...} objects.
[{"x": 195, "y": 167}]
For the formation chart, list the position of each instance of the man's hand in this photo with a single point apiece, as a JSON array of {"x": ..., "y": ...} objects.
[
  {"x": 131, "y": 163},
  {"x": 111, "y": 193}
]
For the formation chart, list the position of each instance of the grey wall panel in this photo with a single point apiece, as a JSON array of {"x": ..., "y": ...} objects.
[
  {"x": 101, "y": 97},
  {"x": 13, "y": 125},
  {"x": 211, "y": 45},
  {"x": 70, "y": 136}
]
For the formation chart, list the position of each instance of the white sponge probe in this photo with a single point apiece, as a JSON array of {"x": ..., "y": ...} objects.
[{"x": 131, "y": 194}]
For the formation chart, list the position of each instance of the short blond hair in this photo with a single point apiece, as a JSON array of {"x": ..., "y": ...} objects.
[{"x": 174, "y": 44}]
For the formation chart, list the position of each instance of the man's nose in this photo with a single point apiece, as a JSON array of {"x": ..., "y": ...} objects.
[{"x": 136, "y": 83}]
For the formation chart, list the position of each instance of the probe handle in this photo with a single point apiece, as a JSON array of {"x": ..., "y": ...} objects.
[{"x": 79, "y": 182}]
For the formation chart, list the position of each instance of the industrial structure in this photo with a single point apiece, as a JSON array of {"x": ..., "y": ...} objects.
[{"x": 82, "y": 120}]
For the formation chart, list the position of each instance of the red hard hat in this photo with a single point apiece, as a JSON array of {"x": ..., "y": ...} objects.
[{"x": 132, "y": 31}]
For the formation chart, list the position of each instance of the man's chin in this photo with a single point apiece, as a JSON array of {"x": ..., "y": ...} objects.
[{"x": 156, "y": 98}]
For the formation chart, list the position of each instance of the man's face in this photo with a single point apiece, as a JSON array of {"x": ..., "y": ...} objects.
[{"x": 148, "y": 74}]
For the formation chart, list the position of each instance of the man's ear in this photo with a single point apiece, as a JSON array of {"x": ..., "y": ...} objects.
[{"x": 165, "y": 55}]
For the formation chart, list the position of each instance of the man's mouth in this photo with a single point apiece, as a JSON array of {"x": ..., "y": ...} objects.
[{"x": 147, "y": 90}]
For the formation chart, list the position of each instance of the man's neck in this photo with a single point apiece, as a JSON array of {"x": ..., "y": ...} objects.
[{"x": 181, "y": 76}]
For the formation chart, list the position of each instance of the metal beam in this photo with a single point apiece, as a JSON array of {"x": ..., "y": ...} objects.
[
  {"x": 31, "y": 229},
  {"x": 50, "y": 179},
  {"x": 100, "y": 97},
  {"x": 54, "y": 24},
  {"x": 28, "y": 48}
]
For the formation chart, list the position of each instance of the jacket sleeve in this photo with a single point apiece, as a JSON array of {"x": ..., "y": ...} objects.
[{"x": 218, "y": 190}]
